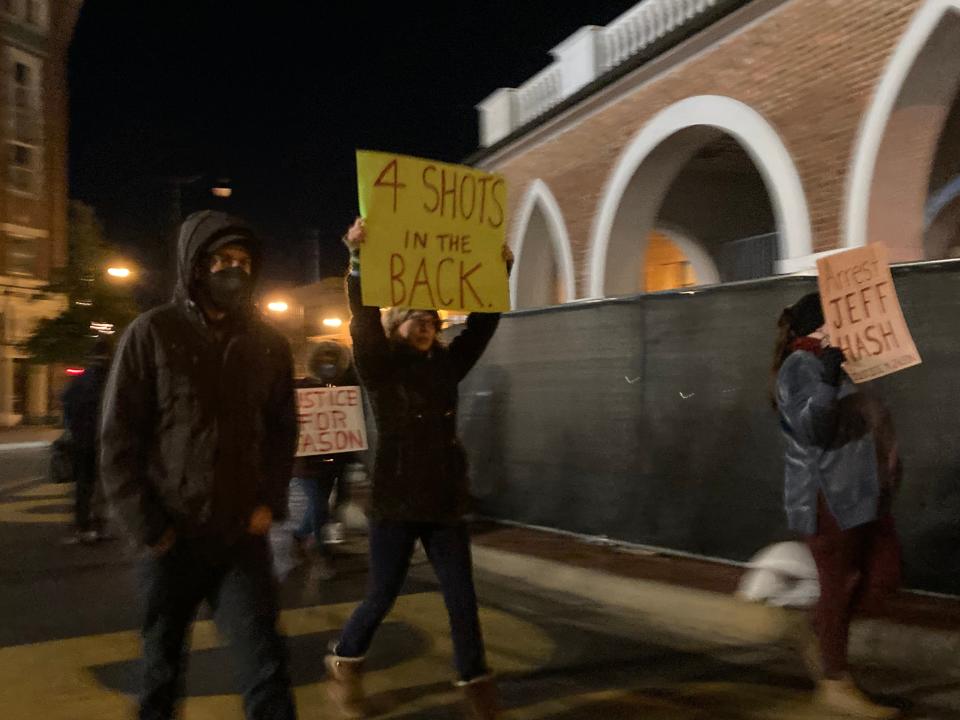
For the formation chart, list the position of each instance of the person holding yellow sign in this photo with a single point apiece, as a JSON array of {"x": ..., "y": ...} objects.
[{"x": 420, "y": 489}]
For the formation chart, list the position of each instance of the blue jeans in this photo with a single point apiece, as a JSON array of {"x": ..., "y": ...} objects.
[
  {"x": 317, "y": 491},
  {"x": 317, "y": 514},
  {"x": 448, "y": 548},
  {"x": 238, "y": 584}
]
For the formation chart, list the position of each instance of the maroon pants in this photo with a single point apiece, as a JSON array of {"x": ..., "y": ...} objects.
[{"x": 857, "y": 569}]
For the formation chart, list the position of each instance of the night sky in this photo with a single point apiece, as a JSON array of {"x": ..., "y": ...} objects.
[{"x": 276, "y": 96}]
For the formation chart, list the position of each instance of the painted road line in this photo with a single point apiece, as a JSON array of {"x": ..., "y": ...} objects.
[
  {"x": 36, "y": 445},
  {"x": 59, "y": 676}
]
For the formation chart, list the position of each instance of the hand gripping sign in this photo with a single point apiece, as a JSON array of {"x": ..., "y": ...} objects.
[
  {"x": 331, "y": 420},
  {"x": 434, "y": 234},
  {"x": 863, "y": 314}
]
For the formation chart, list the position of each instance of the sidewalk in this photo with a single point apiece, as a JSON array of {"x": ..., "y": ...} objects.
[
  {"x": 28, "y": 436},
  {"x": 694, "y": 598}
]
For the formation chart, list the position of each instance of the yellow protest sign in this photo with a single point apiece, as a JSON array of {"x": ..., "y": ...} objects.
[
  {"x": 434, "y": 234},
  {"x": 863, "y": 314}
]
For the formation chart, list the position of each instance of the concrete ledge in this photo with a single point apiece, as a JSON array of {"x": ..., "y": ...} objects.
[{"x": 706, "y": 616}]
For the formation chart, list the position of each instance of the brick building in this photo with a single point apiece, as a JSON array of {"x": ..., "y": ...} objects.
[
  {"x": 703, "y": 141},
  {"x": 34, "y": 39}
]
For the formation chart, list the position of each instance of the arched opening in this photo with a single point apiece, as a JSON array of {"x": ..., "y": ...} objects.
[
  {"x": 673, "y": 260},
  {"x": 905, "y": 177},
  {"x": 543, "y": 274},
  {"x": 941, "y": 222},
  {"x": 666, "y": 266},
  {"x": 715, "y": 168}
]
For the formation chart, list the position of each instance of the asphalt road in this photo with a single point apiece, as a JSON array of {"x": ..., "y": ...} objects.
[{"x": 69, "y": 645}]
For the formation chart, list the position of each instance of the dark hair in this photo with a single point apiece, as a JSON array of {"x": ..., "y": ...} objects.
[
  {"x": 781, "y": 349},
  {"x": 797, "y": 320}
]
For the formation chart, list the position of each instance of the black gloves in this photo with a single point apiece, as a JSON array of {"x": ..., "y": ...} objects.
[{"x": 832, "y": 359}]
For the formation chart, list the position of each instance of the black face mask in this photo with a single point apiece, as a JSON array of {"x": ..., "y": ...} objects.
[
  {"x": 327, "y": 371},
  {"x": 229, "y": 289}
]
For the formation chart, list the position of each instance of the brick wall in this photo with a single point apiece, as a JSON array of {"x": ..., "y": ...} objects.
[{"x": 809, "y": 67}]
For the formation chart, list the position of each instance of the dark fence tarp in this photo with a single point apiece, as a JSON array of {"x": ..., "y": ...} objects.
[{"x": 647, "y": 419}]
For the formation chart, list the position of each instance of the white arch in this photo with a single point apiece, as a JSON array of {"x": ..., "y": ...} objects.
[
  {"x": 538, "y": 195},
  {"x": 755, "y": 135},
  {"x": 870, "y": 137}
]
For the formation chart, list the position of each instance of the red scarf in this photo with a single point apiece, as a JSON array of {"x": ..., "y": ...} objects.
[{"x": 807, "y": 343}]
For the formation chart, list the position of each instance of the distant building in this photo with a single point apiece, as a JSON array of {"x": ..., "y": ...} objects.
[
  {"x": 692, "y": 142},
  {"x": 34, "y": 39}
]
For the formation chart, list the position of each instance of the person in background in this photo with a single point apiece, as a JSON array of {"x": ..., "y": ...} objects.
[
  {"x": 842, "y": 469},
  {"x": 81, "y": 417},
  {"x": 330, "y": 365},
  {"x": 420, "y": 489}
]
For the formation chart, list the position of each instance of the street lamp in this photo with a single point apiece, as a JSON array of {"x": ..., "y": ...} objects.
[
  {"x": 332, "y": 322},
  {"x": 221, "y": 189},
  {"x": 277, "y": 306},
  {"x": 121, "y": 273}
]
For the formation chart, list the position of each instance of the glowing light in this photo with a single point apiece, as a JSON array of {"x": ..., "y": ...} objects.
[
  {"x": 332, "y": 322},
  {"x": 278, "y": 306},
  {"x": 104, "y": 328},
  {"x": 118, "y": 272},
  {"x": 221, "y": 192},
  {"x": 75, "y": 372}
]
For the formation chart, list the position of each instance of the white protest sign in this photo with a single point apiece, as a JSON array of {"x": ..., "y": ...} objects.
[
  {"x": 331, "y": 420},
  {"x": 863, "y": 314}
]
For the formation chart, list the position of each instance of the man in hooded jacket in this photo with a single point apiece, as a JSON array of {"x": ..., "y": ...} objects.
[{"x": 198, "y": 435}]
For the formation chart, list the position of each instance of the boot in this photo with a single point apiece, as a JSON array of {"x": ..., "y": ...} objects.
[
  {"x": 481, "y": 698},
  {"x": 843, "y": 696},
  {"x": 345, "y": 686}
]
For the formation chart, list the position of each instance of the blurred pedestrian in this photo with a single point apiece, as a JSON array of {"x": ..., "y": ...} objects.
[
  {"x": 199, "y": 432},
  {"x": 842, "y": 469},
  {"x": 419, "y": 483},
  {"x": 330, "y": 365},
  {"x": 82, "y": 401}
]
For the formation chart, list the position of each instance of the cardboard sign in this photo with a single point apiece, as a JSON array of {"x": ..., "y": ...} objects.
[
  {"x": 434, "y": 235},
  {"x": 331, "y": 420},
  {"x": 863, "y": 314}
]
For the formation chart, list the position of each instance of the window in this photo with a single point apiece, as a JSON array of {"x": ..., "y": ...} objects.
[
  {"x": 25, "y": 129},
  {"x": 21, "y": 256},
  {"x": 37, "y": 13},
  {"x": 31, "y": 12}
]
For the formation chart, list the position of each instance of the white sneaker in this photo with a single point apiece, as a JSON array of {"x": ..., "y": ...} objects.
[
  {"x": 333, "y": 533},
  {"x": 81, "y": 537}
]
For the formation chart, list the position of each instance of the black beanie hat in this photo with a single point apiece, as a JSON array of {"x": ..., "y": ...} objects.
[{"x": 806, "y": 314}]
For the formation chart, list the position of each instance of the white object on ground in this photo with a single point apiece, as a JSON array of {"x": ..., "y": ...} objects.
[{"x": 782, "y": 575}]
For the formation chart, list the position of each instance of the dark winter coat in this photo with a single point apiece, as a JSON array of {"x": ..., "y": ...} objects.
[
  {"x": 81, "y": 406},
  {"x": 420, "y": 471},
  {"x": 199, "y": 423}
]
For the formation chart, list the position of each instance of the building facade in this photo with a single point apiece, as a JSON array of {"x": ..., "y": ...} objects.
[
  {"x": 34, "y": 40},
  {"x": 696, "y": 142}
]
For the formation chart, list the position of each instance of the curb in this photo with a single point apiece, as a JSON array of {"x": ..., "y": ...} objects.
[
  {"x": 705, "y": 616},
  {"x": 6, "y": 447}
]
